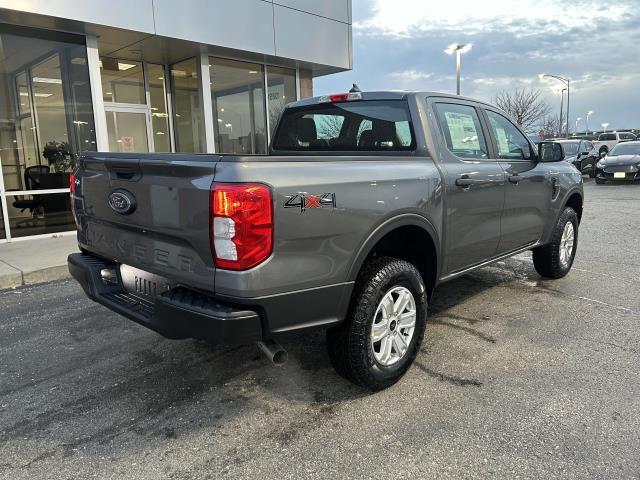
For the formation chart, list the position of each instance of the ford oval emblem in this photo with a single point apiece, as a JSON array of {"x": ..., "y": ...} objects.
[{"x": 122, "y": 202}]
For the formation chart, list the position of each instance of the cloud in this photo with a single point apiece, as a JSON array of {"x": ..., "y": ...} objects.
[
  {"x": 411, "y": 18},
  {"x": 410, "y": 75},
  {"x": 399, "y": 44}
]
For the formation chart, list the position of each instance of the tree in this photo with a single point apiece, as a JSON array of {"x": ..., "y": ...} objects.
[
  {"x": 526, "y": 107},
  {"x": 551, "y": 126}
]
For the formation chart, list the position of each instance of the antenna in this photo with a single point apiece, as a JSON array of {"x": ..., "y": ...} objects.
[{"x": 355, "y": 89}]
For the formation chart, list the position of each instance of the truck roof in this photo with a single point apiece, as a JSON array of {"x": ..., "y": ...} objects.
[{"x": 388, "y": 95}]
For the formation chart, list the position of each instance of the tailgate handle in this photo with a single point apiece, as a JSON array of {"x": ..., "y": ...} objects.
[{"x": 124, "y": 173}]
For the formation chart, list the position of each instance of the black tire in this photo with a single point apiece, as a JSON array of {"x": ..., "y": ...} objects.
[
  {"x": 546, "y": 259},
  {"x": 600, "y": 181},
  {"x": 349, "y": 344},
  {"x": 604, "y": 149}
]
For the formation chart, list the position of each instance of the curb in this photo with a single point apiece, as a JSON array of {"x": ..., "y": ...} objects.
[{"x": 19, "y": 279}]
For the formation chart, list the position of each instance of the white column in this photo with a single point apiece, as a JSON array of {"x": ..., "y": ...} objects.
[
  {"x": 207, "y": 105},
  {"x": 4, "y": 207},
  {"x": 99, "y": 115}
]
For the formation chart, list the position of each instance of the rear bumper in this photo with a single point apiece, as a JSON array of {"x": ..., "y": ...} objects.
[
  {"x": 184, "y": 312},
  {"x": 179, "y": 313}
]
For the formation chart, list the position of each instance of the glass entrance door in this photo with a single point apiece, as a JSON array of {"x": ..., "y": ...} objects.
[
  {"x": 135, "y": 102},
  {"x": 128, "y": 129}
]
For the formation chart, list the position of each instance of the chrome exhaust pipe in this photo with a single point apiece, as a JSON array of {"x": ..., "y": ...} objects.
[{"x": 274, "y": 352}]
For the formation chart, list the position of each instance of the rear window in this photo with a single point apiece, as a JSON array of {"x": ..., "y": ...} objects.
[{"x": 370, "y": 125}]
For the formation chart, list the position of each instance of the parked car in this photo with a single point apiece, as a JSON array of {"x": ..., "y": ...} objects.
[
  {"x": 606, "y": 141},
  {"x": 365, "y": 202},
  {"x": 580, "y": 154},
  {"x": 621, "y": 163}
]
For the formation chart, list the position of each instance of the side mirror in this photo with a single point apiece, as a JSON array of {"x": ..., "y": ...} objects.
[{"x": 550, "y": 152}]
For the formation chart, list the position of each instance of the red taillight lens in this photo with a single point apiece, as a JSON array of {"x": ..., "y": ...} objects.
[
  {"x": 72, "y": 183},
  {"x": 241, "y": 228}
]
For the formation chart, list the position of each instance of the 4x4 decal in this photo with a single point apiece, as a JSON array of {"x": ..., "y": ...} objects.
[{"x": 306, "y": 201}]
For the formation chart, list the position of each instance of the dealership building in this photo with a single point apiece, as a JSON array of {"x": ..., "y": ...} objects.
[{"x": 196, "y": 76}]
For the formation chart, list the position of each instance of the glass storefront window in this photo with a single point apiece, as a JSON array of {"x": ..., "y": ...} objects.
[
  {"x": 40, "y": 214},
  {"x": 281, "y": 88},
  {"x": 159, "y": 114},
  {"x": 127, "y": 131},
  {"x": 46, "y": 121},
  {"x": 237, "y": 90},
  {"x": 187, "y": 114},
  {"x": 49, "y": 105},
  {"x": 122, "y": 81}
]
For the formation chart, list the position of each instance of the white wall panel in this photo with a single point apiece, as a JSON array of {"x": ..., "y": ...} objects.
[
  {"x": 334, "y": 9},
  {"x": 240, "y": 24},
  {"x": 311, "y": 38},
  {"x": 126, "y": 14}
]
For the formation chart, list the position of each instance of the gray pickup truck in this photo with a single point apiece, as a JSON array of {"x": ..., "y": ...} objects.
[{"x": 364, "y": 204}]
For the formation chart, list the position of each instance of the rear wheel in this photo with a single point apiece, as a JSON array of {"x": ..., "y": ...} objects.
[
  {"x": 381, "y": 336},
  {"x": 603, "y": 150},
  {"x": 555, "y": 259},
  {"x": 600, "y": 181}
]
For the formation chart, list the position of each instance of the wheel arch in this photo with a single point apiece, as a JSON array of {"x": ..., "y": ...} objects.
[
  {"x": 411, "y": 237},
  {"x": 574, "y": 200}
]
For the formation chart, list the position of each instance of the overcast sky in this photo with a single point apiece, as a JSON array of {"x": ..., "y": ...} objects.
[{"x": 399, "y": 44}]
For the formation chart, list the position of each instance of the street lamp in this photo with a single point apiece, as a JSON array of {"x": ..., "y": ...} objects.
[
  {"x": 589, "y": 113},
  {"x": 567, "y": 82},
  {"x": 458, "y": 49},
  {"x": 604, "y": 127},
  {"x": 577, "y": 120}
]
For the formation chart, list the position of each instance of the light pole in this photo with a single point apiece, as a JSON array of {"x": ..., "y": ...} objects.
[
  {"x": 458, "y": 49},
  {"x": 577, "y": 120},
  {"x": 589, "y": 113},
  {"x": 562, "y": 121},
  {"x": 567, "y": 82},
  {"x": 604, "y": 127}
]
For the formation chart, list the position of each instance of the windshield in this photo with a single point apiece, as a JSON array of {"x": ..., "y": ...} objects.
[
  {"x": 570, "y": 148},
  {"x": 370, "y": 125},
  {"x": 625, "y": 149}
]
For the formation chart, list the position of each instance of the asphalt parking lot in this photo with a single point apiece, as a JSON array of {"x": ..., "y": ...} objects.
[{"x": 518, "y": 377}]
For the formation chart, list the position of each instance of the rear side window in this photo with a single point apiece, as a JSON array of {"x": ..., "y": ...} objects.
[
  {"x": 461, "y": 129},
  {"x": 370, "y": 125},
  {"x": 627, "y": 136}
]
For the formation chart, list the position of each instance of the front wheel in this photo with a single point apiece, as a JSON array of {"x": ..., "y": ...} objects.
[
  {"x": 555, "y": 259},
  {"x": 381, "y": 336}
]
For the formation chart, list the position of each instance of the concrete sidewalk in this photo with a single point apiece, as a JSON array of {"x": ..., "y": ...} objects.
[{"x": 35, "y": 261}]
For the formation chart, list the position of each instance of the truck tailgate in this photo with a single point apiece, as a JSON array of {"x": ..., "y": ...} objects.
[{"x": 166, "y": 231}]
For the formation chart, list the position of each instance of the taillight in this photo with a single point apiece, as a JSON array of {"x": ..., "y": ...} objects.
[
  {"x": 241, "y": 224},
  {"x": 72, "y": 183}
]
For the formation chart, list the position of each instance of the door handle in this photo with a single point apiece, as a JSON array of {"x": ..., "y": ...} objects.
[
  {"x": 466, "y": 182},
  {"x": 515, "y": 178}
]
